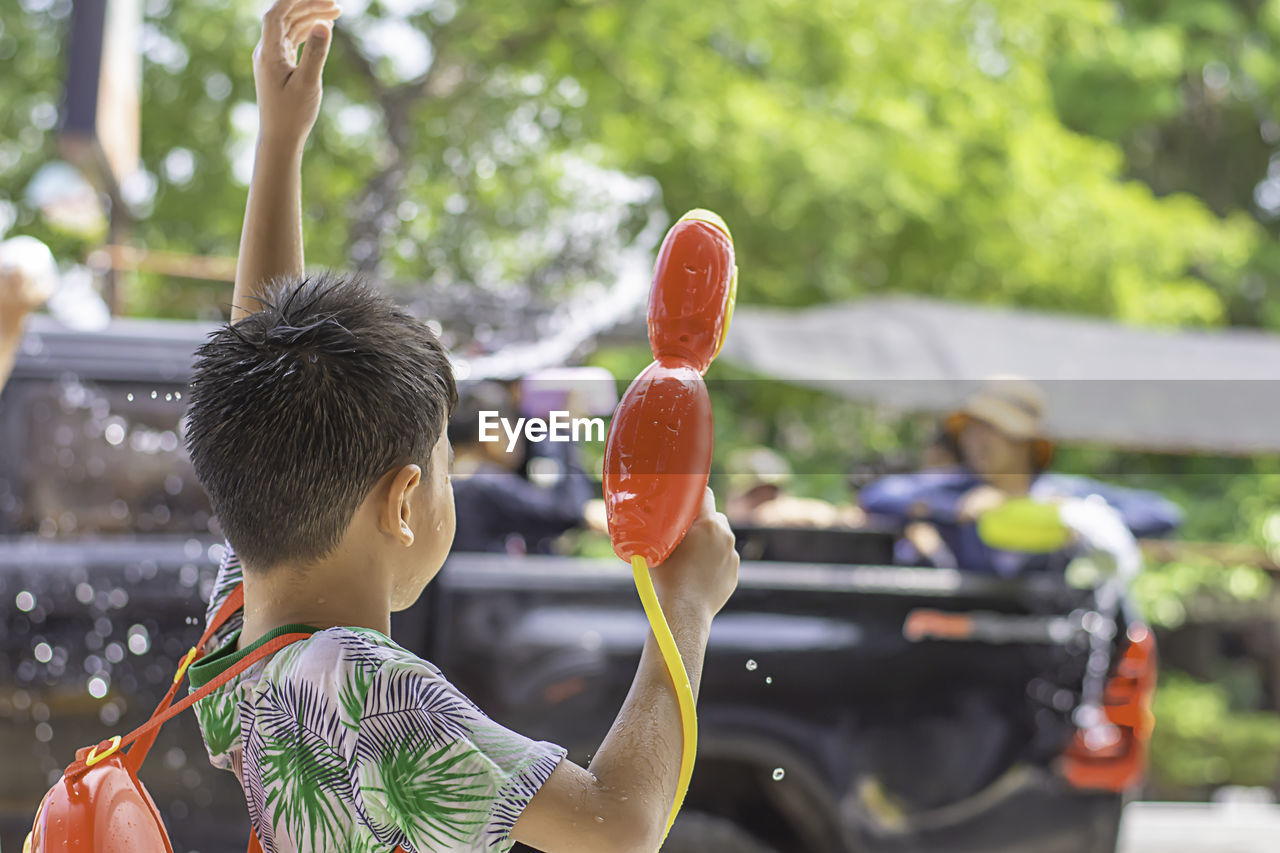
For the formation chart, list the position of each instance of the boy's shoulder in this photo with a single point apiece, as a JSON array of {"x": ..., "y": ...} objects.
[
  {"x": 333, "y": 673},
  {"x": 334, "y": 670},
  {"x": 360, "y": 717},
  {"x": 385, "y": 750},
  {"x": 333, "y": 665}
]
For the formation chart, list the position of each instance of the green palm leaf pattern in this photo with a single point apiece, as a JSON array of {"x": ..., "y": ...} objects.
[
  {"x": 219, "y": 718},
  {"x": 304, "y": 768},
  {"x": 352, "y": 696},
  {"x": 433, "y": 798},
  {"x": 403, "y": 706},
  {"x": 348, "y": 742}
]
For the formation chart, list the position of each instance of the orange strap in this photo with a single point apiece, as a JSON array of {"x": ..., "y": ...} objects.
[
  {"x": 233, "y": 603},
  {"x": 145, "y": 734},
  {"x": 160, "y": 719}
]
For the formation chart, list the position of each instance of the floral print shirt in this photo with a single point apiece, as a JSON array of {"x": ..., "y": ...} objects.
[{"x": 345, "y": 741}]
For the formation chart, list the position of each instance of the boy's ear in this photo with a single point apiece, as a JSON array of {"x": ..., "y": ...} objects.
[{"x": 395, "y": 516}]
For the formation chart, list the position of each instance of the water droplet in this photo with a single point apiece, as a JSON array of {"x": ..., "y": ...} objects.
[
  {"x": 599, "y": 819},
  {"x": 751, "y": 665},
  {"x": 139, "y": 640},
  {"x": 26, "y": 601},
  {"x": 84, "y": 593},
  {"x": 778, "y": 773},
  {"x": 97, "y": 687},
  {"x": 44, "y": 732},
  {"x": 154, "y": 395},
  {"x": 768, "y": 679},
  {"x": 129, "y": 397},
  {"x": 43, "y": 652}
]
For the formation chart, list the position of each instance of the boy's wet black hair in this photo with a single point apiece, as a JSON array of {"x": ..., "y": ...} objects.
[{"x": 297, "y": 410}]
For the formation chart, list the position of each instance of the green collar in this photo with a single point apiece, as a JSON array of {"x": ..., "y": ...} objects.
[{"x": 219, "y": 661}]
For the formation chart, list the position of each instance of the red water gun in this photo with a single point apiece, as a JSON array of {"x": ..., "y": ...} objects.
[{"x": 658, "y": 454}]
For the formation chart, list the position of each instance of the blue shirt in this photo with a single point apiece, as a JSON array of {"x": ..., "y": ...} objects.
[{"x": 934, "y": 496}]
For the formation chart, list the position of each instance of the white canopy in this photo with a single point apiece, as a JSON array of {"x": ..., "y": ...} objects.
[{"x": 1153, "y": 389}]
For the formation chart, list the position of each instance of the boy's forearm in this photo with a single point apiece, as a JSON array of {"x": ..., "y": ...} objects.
[
  {"x": 271, "y": 240},
  {"x": 640, "y": 756}
]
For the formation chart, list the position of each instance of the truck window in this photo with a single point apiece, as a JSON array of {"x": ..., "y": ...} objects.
[{"x": 97, "y": 459}]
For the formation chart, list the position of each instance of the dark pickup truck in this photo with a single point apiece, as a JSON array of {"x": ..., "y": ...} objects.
[{"x": 846, "y": 705}]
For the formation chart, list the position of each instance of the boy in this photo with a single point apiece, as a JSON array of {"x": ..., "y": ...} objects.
[{"x": 317, "y": 427}]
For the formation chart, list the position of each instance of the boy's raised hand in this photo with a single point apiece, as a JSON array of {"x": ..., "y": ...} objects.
[
  {"x": 703, "y": 569},
  {"x": 289, "y": 88},
  {"x": 288, "y": 104},
  {"x": 27, "y": 279}
]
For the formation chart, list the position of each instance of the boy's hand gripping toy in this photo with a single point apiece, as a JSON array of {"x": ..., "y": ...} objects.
[{"x": 658, "y": 455}]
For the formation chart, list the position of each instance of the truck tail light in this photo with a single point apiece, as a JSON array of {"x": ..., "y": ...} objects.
[{"x": 1121, "y": 763}]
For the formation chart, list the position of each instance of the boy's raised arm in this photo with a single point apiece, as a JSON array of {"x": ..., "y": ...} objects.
[
  {"x": 620, "y": 803},
  {"x": 289, "y": 93}
]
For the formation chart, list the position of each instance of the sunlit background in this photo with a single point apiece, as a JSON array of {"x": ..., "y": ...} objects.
[{"x": 508, "y": 170}]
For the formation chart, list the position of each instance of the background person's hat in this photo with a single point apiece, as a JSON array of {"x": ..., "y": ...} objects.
[
  {"x": 751, "y": 467},
  {"x": 1014, "y": 406}
]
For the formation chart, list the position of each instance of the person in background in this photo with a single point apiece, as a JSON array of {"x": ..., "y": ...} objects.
[
  {"x": 757, "y": 477},
  {"x": 1003, "y": 453},
  {"x": 941, "y": 450},
  {"x": 24, "y": 287},
  {"x": 921, "y": 544},
  {"x": 511, "y": 499},
  {"x": 758, "y": 495}
]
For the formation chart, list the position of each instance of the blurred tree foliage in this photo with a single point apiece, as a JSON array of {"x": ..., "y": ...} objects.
[
  {"x": 934, "y": 147},
  {"x": 1189, "y": 90},
  {"x": 1201, "y": 742}
]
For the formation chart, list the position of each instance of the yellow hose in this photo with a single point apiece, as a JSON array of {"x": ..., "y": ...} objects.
[{"x": 679, "y": 677}]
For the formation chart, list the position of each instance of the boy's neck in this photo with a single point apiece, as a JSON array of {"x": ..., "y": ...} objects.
[{"x": 330, "y": 594}]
